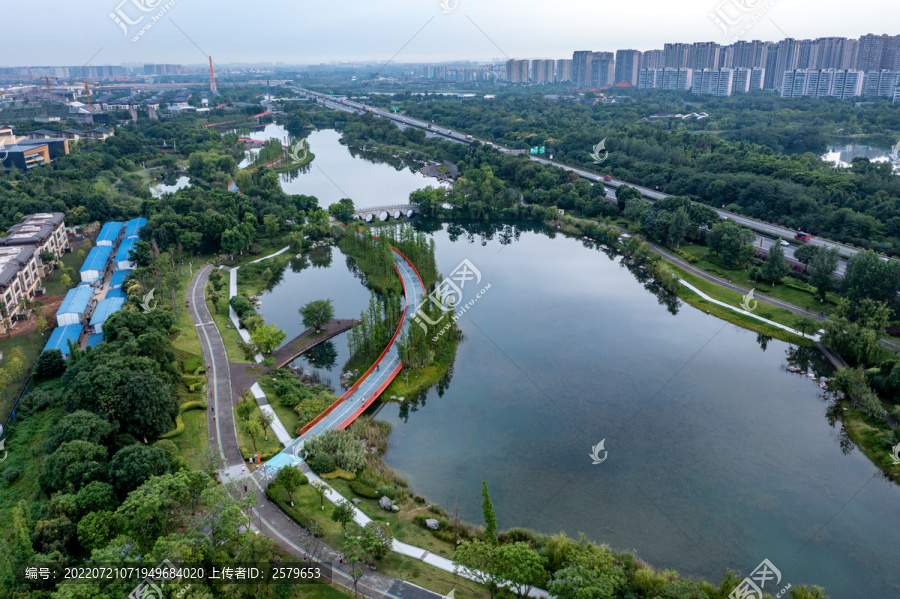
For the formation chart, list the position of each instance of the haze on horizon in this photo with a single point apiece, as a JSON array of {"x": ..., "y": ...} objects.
[{"x": 415, "y": 30}]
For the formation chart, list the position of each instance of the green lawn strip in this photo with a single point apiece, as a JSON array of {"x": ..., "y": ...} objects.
[
  {"x": 307, "y": 507},
  {"x": 267, "y": 448},
  {"x": 31, "y": 344},
  {"x": 289, "y": 418},
  {"x": 784, "y": 292},
  {"x": 195, "y": 438},
  {"x": 734, "y": 298},
  {"x": 870, "y": 436},
  {"x": 52, "y": 282},
  {"x": 230, "y": 336}
]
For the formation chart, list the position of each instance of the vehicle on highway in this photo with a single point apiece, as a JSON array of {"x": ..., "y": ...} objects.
[
  {"x": 429, "y": 125},
  {"x": 607, "y": 177},
  {"x": 801, "y": 236},
  {"x": 784, "y": 243},
  {"x": 468, "y": 137}
]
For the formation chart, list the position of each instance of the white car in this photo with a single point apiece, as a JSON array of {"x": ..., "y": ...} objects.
[{"x": 784, "y": 243}]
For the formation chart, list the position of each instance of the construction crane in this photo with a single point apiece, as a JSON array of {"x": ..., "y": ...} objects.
[
  {"x": 212, "y": 78},
  {"x": 87, "y": 91}
]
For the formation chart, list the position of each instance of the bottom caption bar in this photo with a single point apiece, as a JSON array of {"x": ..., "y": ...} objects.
[{"x": 150, "y": 578}]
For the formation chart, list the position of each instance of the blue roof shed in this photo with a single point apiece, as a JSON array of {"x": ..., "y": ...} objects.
[
  {"x": 109, "y": 234},
  {"x": 76, "y": 301},
  {"x": 105, "y": 309},
  {"x": 125, "y": 249},
  {"x": 60, "y": 337},
  {"x": 116, "y": 292},
  {"x": 97, "y": 258},
  {"x": 93, "y": 340},
  {"x": 118, "y": 278},
  {"x": 133, "y": 227}
]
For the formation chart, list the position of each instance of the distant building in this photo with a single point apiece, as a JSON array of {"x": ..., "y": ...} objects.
[
  {"x": 881, "y": 83},
  {"x": 118, "y": 278},
  {"x": 95, "y": 264},
  {"x": 748, "y": 80},
  {"x": 822, "y": 83},
  {"x": 109, "y": 234},
  {"x": 627, "y": 64},
  {"x": 134, "y": 226},
  {"x": 672, "y": 79},
  {"x": 542, "y": 71},
  {"x": 581, "y": 68},
  {"x": 99, "y": 133},
  {"x": 19, "y": 276},
  {"x": 713, "y": 82},
  {"x": 123, "y": 255},
  {"x": 76, "y": 306},
  {"x": 46, "y": 230},
  {"x": 563, "y": 70},
  {"x": 603, "y": 65}
]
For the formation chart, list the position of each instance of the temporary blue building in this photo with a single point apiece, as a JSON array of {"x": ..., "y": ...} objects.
[
  {"x": 93, "y": 340},
  {"x": 95, "y": 264},
  {"x": 109, "y": 234},
  {"x": 74, "y": 306},
  {"x": 60, "y": 337},
  {"x": 122, "y": 261},
  {"x": 133, "y": 227},
  {"x": 103, "y": 311},
  {"x": 118, "y": 278},
  {"x": 116, "y": 292}
]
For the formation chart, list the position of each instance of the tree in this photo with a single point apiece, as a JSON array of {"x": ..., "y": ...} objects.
[
  {"x": 678, "y": 227},
  {"x": 774, "y": 268},
  {"x": 66, "y": 280},
  {"x": 134, "y": 464},
  {"x": 490, "y": 519},
  {"x": 96, "y": 529},
  {"x": 265, "y": 420},
  {"x": 806, "y": 253},
  {"x": 317, "y": 312},
  {"x": 853, "y": 331},
  {"x": 822, "y": 267},
  {"x": 377, "y": 539},
  {"x": 343, "y": 513},
  {"x": 141, "y": 254},
  {"x": 355, "y": 555},
  {"x": 73, "y": 465},
  {"x": 625, "y": 194},
  {"x": 869, "y": 277},
  {"x": 320, "y": 489},
  {"x": 147, "y": 407},
  {"x": 272, "y": 224},
  {"x": 730, "y": 241},
  {"x": 80, "y": 425},
  {"x": 267, "y": 338},
  {"x": 805, "y": 323},
  {"x": 290, "y": 479},
  {"x": 580, "y": 581},
  {"x": 253, "y": 430},
  {"x": 478, "y": 561},
  {"x": 245, "y": 405},
  {"x": 50, "y": 364},
  {"x": 343, "y": 210},
  {"x": 96, "y": 497},
  {"x": 522, "y": 567}
]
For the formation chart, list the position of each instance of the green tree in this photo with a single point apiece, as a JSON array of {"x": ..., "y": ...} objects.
[
  {"x": 317, "y": 312},
  {"x": 245, "y": 405},
  {"x": 96, "y": 497},
  {"x": 134, "y": 464},
  {"x": 377, "y": 539},
  {"x": 290, "y": 479},
  {"x": 678, "y": 227},
  {"x": 478, "y": 561},
  {"x": 775, "y": 268},
  {"x": 253, "y": 430},
  {"x": 625, "y": 194},
  {"x": 343, "y": 513},
  {"x": 522, "y": 567},
  {"x": 320, "y": 489},
  {"x": 822, "y": 271},
  {"x": 50, "y": 364},
  {"x": 869, "y": 277},
  {"x": 854, "y": 331},
  {"x": 66, "y": 281},
  {"x": 343, "y": 210},
  {"x": 96, "y": 529},
  {"x": 80, "y": 425},
  {"x": 490, "y": 519},
  {"x": 805, "y": 323},
  {"x": 265, "y": 421},
  {"x": 806, "y": 253},
  {"x": 730, "y": 241},
  {"x": 272, "y": 224},
  {"x": 73, "y": 465},
  {"x": 268, "y": 338}
]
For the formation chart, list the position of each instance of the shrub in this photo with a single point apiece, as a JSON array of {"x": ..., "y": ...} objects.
[
  {"x": 241, "y": 305},
  {"x": 191, "y": 365},
  {"x": 346, "y": 451},
  {"x": 387, "y": 491},
  {"x": 685, "y": 256},
  {"x": 50, "y": 364},
  {"x": 437, "y": 510},
  {"x": 339, "y": 473},
  {"x": 11, "y": 474},
  {"x": 321, "y": 463},
  {"x": 364, "y": 490},
  {"x": 34, "y": 402}
]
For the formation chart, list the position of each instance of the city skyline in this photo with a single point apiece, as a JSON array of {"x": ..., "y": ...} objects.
[{"x": 405, "y": 31}]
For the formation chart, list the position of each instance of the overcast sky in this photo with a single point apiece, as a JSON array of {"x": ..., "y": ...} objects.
[{"x": 70, "y": 32}]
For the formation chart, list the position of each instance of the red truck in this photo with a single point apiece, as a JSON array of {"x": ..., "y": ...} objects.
[
  {"x": 607, "y": 177},
  {"x": 801, "y": 236}
]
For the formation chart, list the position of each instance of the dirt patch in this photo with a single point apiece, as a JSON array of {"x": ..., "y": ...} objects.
[{"x": 48, "y": 311}]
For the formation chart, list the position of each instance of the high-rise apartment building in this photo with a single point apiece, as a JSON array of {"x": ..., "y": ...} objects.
[
  {"x": 747, "y": 80},
  {"x": 704, "y": 55},
  {"x": 542, "y": 71},
  {"x": 674, "y": 79},
  {"x": 581, "y": 68},
  {"x": 627, "y": 64},
  {"x": 602, "y": 69},
  {"x": 675, "y": 56},
  {"x": 822, "y": 83},
  {"x": 881, "y": 83},
  {"x": 563, "y": 70},
  {"x": 653, "y": 59},
  {"x": 713, "y": 82},
  {"x": 517, "y": 71},
  {"x": 878, "y": 52}
]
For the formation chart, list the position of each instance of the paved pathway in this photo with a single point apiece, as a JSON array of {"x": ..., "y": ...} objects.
[
  {"x": 291, "y": 350},
  {"x": 267, "y": 517}
]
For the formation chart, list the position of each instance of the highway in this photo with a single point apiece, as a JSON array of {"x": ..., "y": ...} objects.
[{"x": 350, "y": 106}]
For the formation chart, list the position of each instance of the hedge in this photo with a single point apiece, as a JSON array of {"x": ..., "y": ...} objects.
[
  {"x": 179, "y": 421},
  {"x": 339, "y": 473},
  {"x": 363, "y": 490}
]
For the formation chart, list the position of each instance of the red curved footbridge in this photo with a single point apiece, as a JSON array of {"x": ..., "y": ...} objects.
[{"x": 370, "y": 385}]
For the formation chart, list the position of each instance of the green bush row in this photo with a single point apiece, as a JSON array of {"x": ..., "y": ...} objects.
[
  {"x": 364, "y": 490},
  {"x": 685, "y": 256}
]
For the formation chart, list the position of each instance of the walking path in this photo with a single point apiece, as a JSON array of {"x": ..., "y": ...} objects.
[
  {"x": 291, "y": 350},
  {"x": 223, "y": 437}
]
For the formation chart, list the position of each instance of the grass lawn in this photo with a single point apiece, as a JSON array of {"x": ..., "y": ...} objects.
[
  {"x": 31, "y": 345},
  {"x": 230, "y": 336},
  {"x": 289, "y": 418},
  {"x": 52, "y": 281},
  {"x": 264, "y": 447},
  {"x": 306, "y": 505},
  {"x": 194, "y": 439},
  {"x": 25, "y": 454},
  {"x": 734, "y": 298},
  {"x": 786, "y": 293}
]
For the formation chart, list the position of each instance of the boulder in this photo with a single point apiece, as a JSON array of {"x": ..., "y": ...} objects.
[
  {"x": 395, "y": 508},
  {"x": 386, "y": 503},
  {"x": 432, "y": 524},
  {"x": 356, "y": 501}
]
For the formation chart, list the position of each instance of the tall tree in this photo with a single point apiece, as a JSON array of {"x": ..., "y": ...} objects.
[
  {"x": 290, "y": 479},
  {"x": 317, "y": 312},
  {"x": 490, "y": 519},
  {"x": 774, "y": 269},
  {"x": 478, "y": 561}
]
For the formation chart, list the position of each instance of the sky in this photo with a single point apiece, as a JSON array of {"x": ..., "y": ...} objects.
[{"x": 78, "y": 32}]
